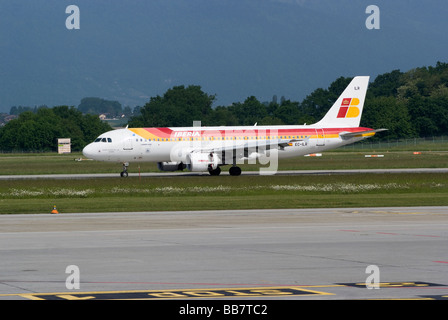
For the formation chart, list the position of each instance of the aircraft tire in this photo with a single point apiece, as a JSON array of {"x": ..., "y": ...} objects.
[
  {"x": 215, "y": 172},
  {"x": 235, "y": 171}
]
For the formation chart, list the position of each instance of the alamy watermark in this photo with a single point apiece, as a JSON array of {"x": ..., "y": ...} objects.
[
  {"x": 74, "y": 279},
  {"x": 230, "y": 146},
  {"x": 373, "y": 280},
  {"x": 373, "y": 20},
  {"x": 73, "y": 20}
]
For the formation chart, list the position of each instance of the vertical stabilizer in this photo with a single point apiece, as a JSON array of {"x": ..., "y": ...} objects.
[{"x": 347, "y": 110}]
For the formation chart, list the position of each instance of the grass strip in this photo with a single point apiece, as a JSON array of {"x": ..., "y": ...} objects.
[
  {"x": 59, "y": 164},
  {"x": 216, "y": 193}
]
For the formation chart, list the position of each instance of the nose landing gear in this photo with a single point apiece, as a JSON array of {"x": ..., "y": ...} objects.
[{"x": 124, "y": 173}]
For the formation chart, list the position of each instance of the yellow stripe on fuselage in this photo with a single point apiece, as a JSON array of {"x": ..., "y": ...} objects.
[{"x": 145, "y": 134}]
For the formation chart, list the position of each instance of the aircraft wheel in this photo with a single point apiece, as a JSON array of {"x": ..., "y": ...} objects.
[
  {"x": 215, "y": 172},
  {"x": 123, "y": 174},
  {"x": 235, "y": 171}
]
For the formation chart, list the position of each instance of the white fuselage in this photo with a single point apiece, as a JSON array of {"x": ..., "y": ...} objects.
[{"x": 173, "y": 144}]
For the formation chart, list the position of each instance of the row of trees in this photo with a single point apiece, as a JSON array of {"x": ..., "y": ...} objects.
[
  {"x": 410, "y": 104},
  {"x": 181, "y": 105},
  {"x": 38, "y": 131},
  {"x": 90, "y": 105}
]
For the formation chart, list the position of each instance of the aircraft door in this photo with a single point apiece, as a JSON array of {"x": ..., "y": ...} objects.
[
  {"x": 320, "y": 137},
  {"x": 127, "y": 144}
]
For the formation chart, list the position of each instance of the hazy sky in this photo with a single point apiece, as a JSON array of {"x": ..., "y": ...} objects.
[{"x": 135, "y": 49}]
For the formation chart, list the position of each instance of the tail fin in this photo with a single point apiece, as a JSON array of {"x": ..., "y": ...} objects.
[{"x": 347, "y": 110}]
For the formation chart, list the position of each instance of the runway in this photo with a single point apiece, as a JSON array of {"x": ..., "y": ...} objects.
[
  {"x": 255, "y": 254},
  {"x": 224, "y": 173}
]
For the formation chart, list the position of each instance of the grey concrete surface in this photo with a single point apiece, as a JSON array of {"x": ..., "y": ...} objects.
[
  {"x": 224, "y": 172},
  {"x": 320, "y": 250}
]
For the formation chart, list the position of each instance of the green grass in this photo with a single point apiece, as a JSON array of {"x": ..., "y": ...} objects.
[
  {"x": 51, "y": 163},
  {"x": 223, "y": 192},
  {"x": 412, "y": 144}
]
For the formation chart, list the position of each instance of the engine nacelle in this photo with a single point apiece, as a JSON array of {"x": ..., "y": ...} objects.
[
  {"x": 170, "y": 166},
  {"x": 200, "y": 162}
]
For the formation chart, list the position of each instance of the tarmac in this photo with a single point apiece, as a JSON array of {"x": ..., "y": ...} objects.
[
  {"x": 340, "y": 253},
  {"x": 224, "y": 172}
]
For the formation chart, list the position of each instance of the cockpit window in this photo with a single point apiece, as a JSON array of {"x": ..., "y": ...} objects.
[{"x": 109, "y": 140}]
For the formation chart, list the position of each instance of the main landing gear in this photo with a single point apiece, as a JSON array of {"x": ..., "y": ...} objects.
[
  {"x": 235, "y": 171},
  {"x": 124, "y": 173},
  {"x": 215, "y": 172}
]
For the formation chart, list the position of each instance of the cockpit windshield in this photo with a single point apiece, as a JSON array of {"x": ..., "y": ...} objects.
[{"x": 109, "y": 140}]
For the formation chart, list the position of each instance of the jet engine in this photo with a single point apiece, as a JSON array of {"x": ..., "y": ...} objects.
[
  {"x": 170, "y": 166},
  {"x": 200, "y": 162}
]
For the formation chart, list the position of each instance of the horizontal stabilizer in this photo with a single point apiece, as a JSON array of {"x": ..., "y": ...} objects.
[{"x": 348, "y": 135}]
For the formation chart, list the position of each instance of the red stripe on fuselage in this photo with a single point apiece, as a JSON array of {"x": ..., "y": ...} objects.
[{"x": 248, "y": 131}]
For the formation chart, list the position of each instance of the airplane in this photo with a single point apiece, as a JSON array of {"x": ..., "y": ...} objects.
[{"x": 202, "y": 149}]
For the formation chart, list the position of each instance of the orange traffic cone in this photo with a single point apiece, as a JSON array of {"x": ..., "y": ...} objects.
[{"x": 54, "y": 211}]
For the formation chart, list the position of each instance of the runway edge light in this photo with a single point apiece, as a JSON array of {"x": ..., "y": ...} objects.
[{"x": 54, "y": 211}]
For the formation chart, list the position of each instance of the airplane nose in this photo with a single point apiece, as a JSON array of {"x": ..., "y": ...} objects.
[{"x": 88, "y": 151}]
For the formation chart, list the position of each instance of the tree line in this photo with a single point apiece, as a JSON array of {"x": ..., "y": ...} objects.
[
  {"x": 409, "y": 104},
  {"x": 39, "y": 131},
  {"x": 89, "y": 105}
]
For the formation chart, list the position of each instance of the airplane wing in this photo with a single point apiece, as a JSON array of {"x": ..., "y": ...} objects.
[
  {"x": 241, "y": 146},
  {"x": 247, "y": 149},
  {"x": 257, "y": 144}
]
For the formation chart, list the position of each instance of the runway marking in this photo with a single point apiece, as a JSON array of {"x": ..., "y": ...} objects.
[
  {"x": 213, "y": 293},
  {"x": 395, "y": 284},
  {"x": 436, "y": 297},
  {"x": 391, "y": 233},
  {"x": 395, "y": 212},
  {"x": 177, "y": 294},
  {"x": 396, "y": 234}
]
